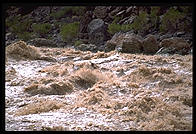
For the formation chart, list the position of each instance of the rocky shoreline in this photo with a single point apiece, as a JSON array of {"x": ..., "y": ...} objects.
[{"x": 93, "y": 34}]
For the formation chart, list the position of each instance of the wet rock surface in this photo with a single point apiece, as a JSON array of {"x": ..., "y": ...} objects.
[{"x": 84, "y": 91}]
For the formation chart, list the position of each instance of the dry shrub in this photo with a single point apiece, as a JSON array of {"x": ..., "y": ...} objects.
[
  {"x": 54, "y": 88},
  {"x": 87, "y": 56},
  {"x": 187, "y": 65},
  {"x": 186, "y": 62},
  {"x": 110, "y": 53},
  {"x": 131, "y": 56},
  {"x": 40, "y": 106},
  {"x": 156, "y": 58},
  {"x": 85, "y": 78},
  {"x": 20, "y": 50}
]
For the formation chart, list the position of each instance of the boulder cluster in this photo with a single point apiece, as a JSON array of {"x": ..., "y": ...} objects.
[
  {"x": 93, "y": 30},
  {"x": 132, "y": 43}
]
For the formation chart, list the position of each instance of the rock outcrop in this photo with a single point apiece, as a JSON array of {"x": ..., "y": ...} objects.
[
  {"x": 174, "y": 45},
  {"x": 95, "y": 23},
  {"x": 84, "y": 21},
  {"x": 100, "y": 12},
  {"x": 111, "y": 44},
  {"x": 150, "y": 45},
  {"x": 132, "y": 44},
  {"x": 174, "y": 42},
  {"x": 97, "y": 32},
  {"x": 125, "y": 42}
]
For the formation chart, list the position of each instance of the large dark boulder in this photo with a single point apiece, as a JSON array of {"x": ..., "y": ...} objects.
[
  {"x": 97, "y": 32},
  {"x": 132, "y": 44},
  {"x": 125, "y": 42},
  {"x": 150, "y": 44},
  {"x": 174, "y": 45},
  {"x": 174, "y": 42},
  {"x": 111, "y": 44}
]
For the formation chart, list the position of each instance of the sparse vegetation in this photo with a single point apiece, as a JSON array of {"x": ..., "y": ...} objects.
[
  {"x": 145, "y": 22},
  {"x": 78, "y": 10},
  {"x": 25, "y": 36},
  {"x": 114, "y": 28},
  {"x": 78, "y": 42},
  {"x": 73, "y": 10},
  {"x": 58, "y": 15},
  {"x": 20, "y": 27},
  {"x": 69, "y": 31},
  {"x": 140, "y": 22},
  {"x": 42, "y": 29},
  {"x": 154, "y": 18},
  {"x": 170, "y": 20}
]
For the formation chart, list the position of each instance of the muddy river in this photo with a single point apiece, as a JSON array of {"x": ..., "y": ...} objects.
[{"x": 62, "y": 89}]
